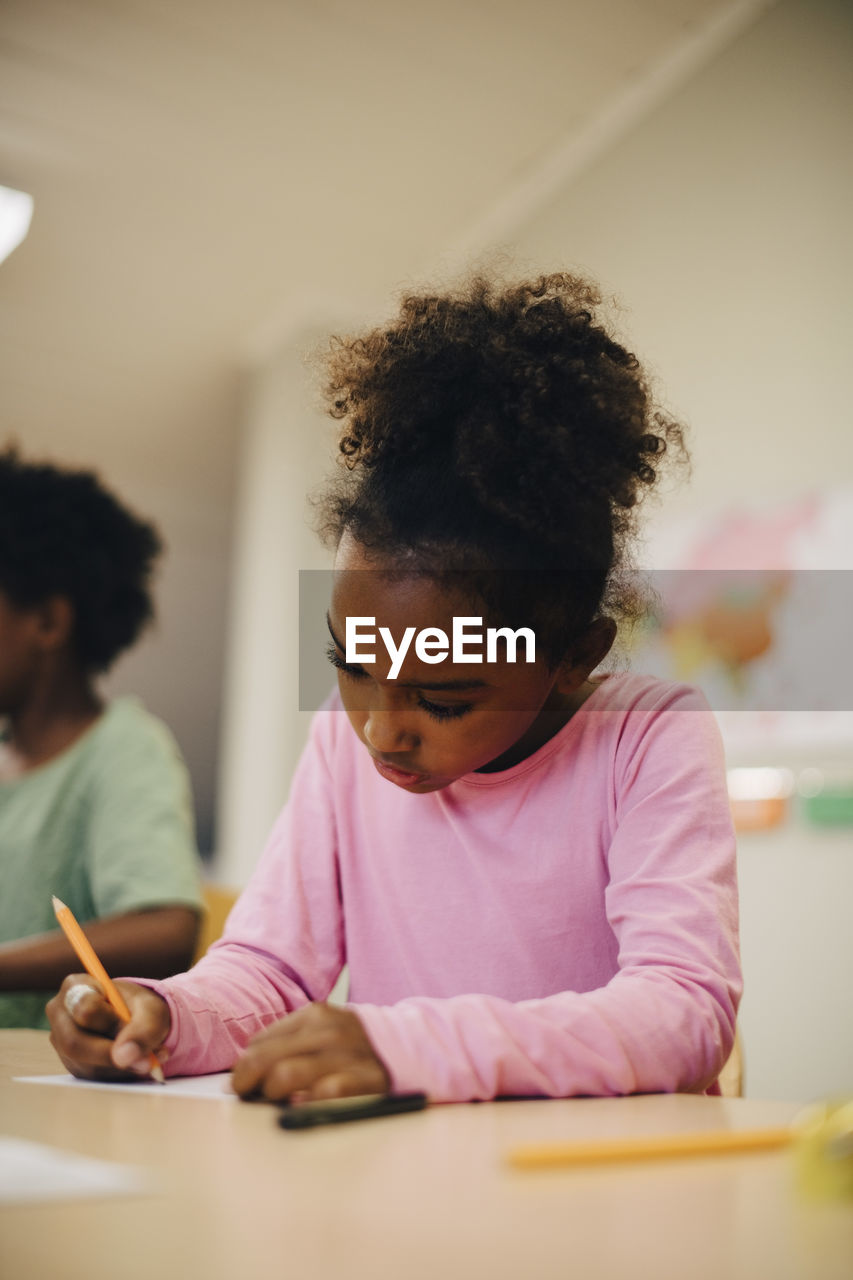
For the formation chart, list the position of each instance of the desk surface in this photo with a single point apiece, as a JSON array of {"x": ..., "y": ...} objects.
[{"x": 425, "y": 1196}]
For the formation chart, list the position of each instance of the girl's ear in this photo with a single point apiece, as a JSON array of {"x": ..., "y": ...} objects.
[
  {"x": 54, "y": 623},
  {"x": 592, "y": 648}
]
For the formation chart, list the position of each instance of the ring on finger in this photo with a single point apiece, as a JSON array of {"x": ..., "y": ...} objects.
[{"x": 75, "y": 994}]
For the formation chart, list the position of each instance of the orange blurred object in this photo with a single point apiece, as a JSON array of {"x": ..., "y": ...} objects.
[{"x": 759, "y": 814}]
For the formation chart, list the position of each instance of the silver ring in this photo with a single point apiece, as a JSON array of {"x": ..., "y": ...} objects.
[{"x": 75, "y": 994}]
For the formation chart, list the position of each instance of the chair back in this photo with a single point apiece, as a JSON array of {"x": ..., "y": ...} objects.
[
  {"x": 731, "y": 1076},
  {"x": 218, "y": 901}
]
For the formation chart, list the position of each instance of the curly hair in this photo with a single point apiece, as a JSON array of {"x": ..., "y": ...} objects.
[
  {"x": 62, "y": 533},
  {"x": 500, "y": 426}
]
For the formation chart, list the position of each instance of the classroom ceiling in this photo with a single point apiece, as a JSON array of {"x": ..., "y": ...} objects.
[{"x": 206, "y": 170}]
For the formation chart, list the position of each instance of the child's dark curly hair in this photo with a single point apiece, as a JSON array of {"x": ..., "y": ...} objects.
[
  {"x": 500, "y": 427},
  {"x": 63, "y": 534}
]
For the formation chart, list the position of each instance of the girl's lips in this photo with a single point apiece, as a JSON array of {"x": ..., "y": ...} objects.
[{"x": 402, "y": 777}]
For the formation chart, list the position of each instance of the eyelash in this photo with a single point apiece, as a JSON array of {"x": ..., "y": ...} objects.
[{"x": 434, "y": 709}]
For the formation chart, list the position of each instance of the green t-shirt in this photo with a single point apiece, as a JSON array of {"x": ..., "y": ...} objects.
[{"x": 107, "y": 826}]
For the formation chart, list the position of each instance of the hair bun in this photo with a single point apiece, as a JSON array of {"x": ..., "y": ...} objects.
[{"x": 492, "y": 413}]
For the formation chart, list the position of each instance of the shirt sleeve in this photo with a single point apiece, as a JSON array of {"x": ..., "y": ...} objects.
[
  {"x": 141, "y": 849},
  {"x": 283, "y": 944},
  {"x": 665, "y": 1021}
]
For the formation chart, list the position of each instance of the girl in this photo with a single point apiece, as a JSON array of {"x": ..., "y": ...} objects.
[{"x": 528, "y": 869}]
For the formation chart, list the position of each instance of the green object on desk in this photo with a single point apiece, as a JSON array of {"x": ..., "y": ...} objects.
[{"x": 831, "y": 807}]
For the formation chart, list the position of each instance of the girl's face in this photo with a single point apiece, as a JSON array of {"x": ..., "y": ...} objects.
[{"x": 435, "y": 723}]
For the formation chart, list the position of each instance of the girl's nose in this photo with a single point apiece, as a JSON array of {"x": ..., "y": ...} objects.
[{"x": 385, "y": 731}]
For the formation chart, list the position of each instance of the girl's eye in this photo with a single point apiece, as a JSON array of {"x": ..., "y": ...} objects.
[
  {"x": 438, "y": 710},
  {"x": 444, "y": 711},
  {"x": 357, "y": 673}
]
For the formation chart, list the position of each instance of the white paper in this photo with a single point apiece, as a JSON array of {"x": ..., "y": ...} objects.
[
  {"x": 31, "y": 1171},
  {"x": 212, "y": 1086}
]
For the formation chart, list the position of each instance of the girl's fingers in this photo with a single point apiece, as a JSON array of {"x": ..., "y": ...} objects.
[
  {"x": 349, "y": 1083},
  {"x": 275, "y": 1069},
  {"x": 144, "y": 1034},
  {"x": 252, "y": 1068},
  {"x": 87, "y": 1006},
  {"x": 320, "y": 1075},
  {"x": 82, "y": 1052},
  {"x": 83, "y": 1024},
  {"x": 290, "y": 1075},
  {"x": 304, "y": 1034},
  {"x": 314, "y": 1044}
]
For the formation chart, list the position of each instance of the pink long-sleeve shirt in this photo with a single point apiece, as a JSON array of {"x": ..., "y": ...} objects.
[{"x": 566, "y": 926}]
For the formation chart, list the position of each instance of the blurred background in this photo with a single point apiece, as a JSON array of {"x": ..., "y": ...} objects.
[{"x": 218, "y": 186}]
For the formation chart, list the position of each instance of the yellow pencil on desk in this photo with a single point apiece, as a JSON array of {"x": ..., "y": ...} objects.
[
  {"x": 85, "y": 953},
  {"x": 656, "y": 1146}
]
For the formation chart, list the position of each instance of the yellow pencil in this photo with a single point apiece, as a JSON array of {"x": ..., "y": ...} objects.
[
  {"x": 545, "y": 1154},
  {"x": 85, "y": 953}
]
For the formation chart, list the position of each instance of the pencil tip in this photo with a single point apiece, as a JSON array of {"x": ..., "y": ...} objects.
[{"x": 57, "y": 905}]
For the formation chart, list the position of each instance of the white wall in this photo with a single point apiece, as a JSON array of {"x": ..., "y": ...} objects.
[
  {"x": 723, "y": 223},
  {"x": 286, "y": 449},
  {"x": 796, "y": 887},
  {"x": 177, "y": 667}
]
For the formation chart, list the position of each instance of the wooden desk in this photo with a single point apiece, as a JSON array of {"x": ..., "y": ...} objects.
[{"x": 415, "y": 1197}]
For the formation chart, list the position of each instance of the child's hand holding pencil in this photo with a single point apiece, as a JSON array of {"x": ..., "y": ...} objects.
[
  {"x": 91, "y": 1039},
  {"x": 101, "y": 1029}
]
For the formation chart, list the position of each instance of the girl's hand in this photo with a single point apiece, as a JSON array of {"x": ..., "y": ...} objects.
[
  {"x": 91, "y": 1039},
  {"x": 319, "y": 1051}
]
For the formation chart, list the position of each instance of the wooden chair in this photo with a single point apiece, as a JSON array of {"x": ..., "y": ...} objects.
[
  {"x": 218, "y": 901},
  {"x": 731, "y": 1076}
]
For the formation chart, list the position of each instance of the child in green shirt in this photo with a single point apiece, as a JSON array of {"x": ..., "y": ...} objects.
[{"x": 95, "y": 804}]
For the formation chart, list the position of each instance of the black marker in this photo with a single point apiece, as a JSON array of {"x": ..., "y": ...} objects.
[{"x": 365, "y": 1106}]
